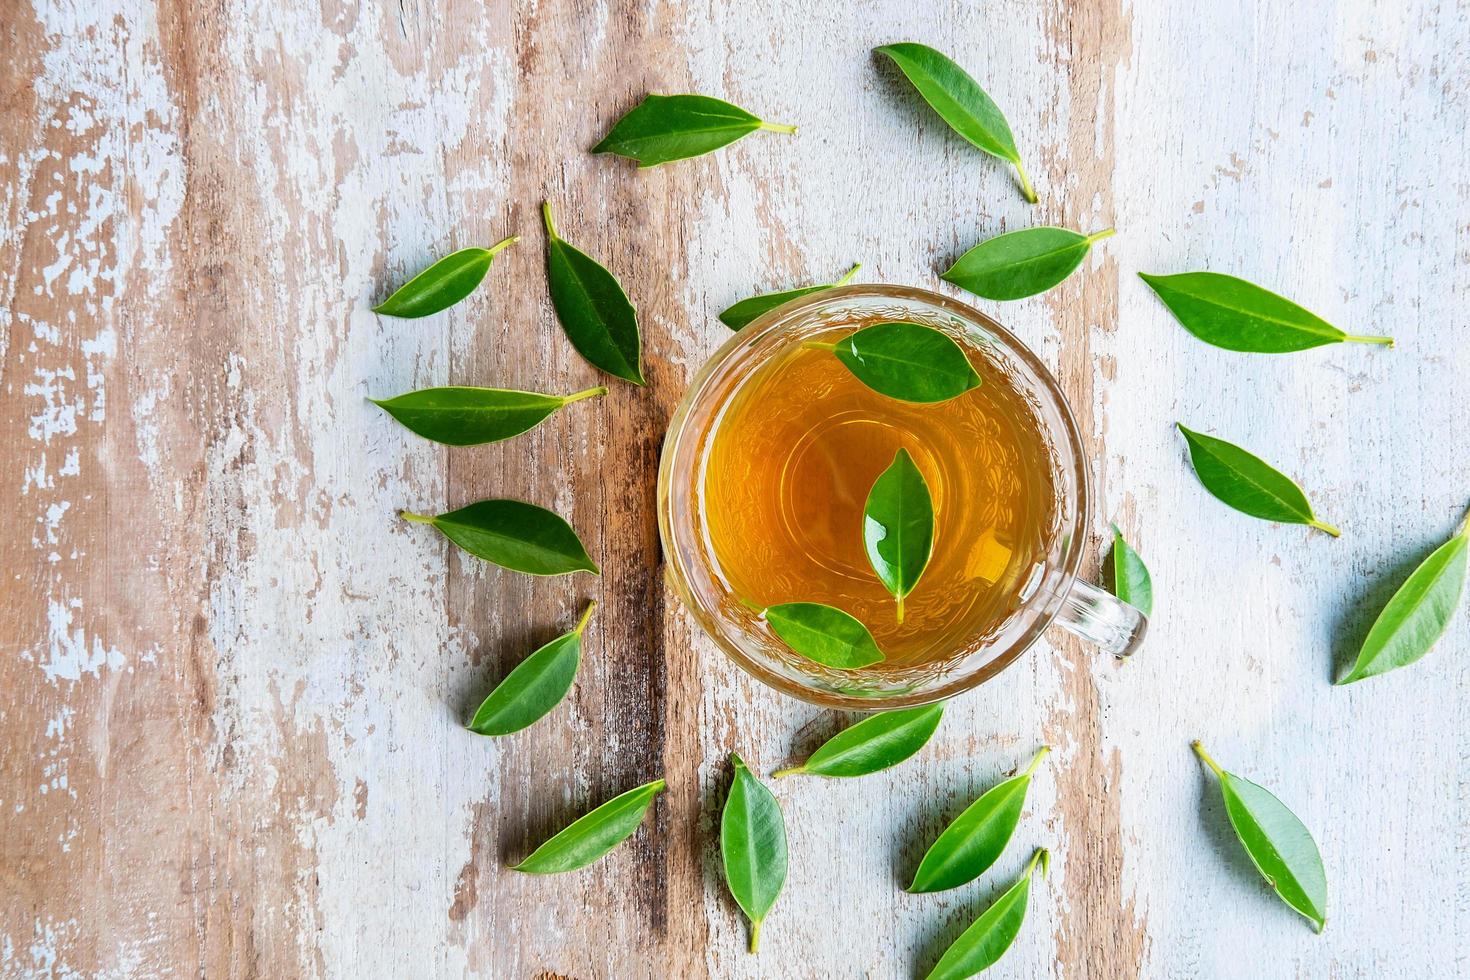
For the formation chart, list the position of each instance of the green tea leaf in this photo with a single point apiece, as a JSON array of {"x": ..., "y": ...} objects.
[
  {"x": 459, "y": 416},
  {"x": 593, "y": 309},
  {"x": 906, "y": 361},
  {"x": 662, "y": 128},
  {"x": 898, "y": 527},
  {"x": 593, "y": 834},
  {"x": 974, "y": 839},
  {"x": 986, "y": 941},
  {"x": 1239, "y": 315},
  {"x": 825, "y": 634},
  {"x": 753, "y": 846},
  {"x": 961, "y": 102},
  {"x": 1127, "y": 577},
  {"x": 747, "y": 310},
  {"x": 515, "y": 535},
  {"x": 534, "y": 687},
  {"x": 1418, "y": 613},
  {"x": 1279, "y": 846},
  {"x": 1021, "y": 263},
  {"x": 1248, "y": 483},
  {"x": 444, "y": 283},
  {"x": 878, "y": 742}
]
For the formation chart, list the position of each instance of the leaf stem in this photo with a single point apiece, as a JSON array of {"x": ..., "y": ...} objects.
[
  {"x": 546, "y": 216},
  {"x": 900, "y": 608},
  {"x": 755, "y": 935},
  {"x": 1098, "y": 236},
  {"x": 789, "y": 771},
  {"x": 1324, "y": 526},
  {"x": 1199, "y": 750},
  {"x": 1036, "y": 759},
  {"x": 1026, "y": 189},
  {"x": 847, "y": 278},
  {"x": 586, "y": 616},
  {"x": 415, "y": 518},
  {"x": 577, "y": 396},
  {"x": 777, "y": 128},
  {"x": 817, "y": 345},
  {"x": 1380, "y": 341},
  {"x": 1042, "y": 856},
  {"x": 504, "y": 244}
]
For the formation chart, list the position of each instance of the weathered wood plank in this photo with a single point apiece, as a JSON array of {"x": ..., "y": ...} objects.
[{"x": 234, "y": 681}]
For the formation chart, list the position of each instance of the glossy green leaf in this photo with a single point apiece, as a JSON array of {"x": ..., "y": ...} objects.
[
  {"x": 459, "y": 416},
  {"x": 444, "y": 283},
  {"x": 1241, "y": 316},
  {"x": 983, "y": 944},
  {"x": 1127, "y": 576},
  {"x": 906, "y": 361},
  {"x": 753, "y": 846},
  {"x": 662, "y": 128},
  {"x": 593, "y": 834},
  {"x": 1418, "y": 613},
  {"x": 961, "y": 102},
  {"x": 898, "y": 527},
  {"x": 825, "y": 634},
  {"x": 975, "y": 838},
  {"x": 1021, "y": 263},
  {"x": 593, "y": 309},
  {"x": 878, "y": 742},
  {"x": 515, "y": 535},
  {"x": 1279, "y": 845},
  {"x": 534, "y": 687},
  {"x": 747, "y": 310},
  {"x": 1248, "y": 483}
]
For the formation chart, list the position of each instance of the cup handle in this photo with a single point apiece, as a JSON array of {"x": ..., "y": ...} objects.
[{"x": 1102, "y": 619}]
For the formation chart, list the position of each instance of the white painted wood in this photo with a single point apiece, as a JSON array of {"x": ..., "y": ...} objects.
[{"x": 233, "y": 681}]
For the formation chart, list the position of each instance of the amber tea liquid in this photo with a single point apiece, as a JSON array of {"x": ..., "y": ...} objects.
[{"x": 789, "y": 468}]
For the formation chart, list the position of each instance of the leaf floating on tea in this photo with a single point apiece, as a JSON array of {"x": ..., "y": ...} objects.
[
  {"x": 753, "y": 846},
  {"x": 906, "y": 361},
  {"x": 747, "y": 310},
  {"x": 460, "y": 416},
  {"x": 878, "y": 742},
  {"x": 442, "y": 284},
  {"x": 1241, "y": 316},
  {"x": 593, "y": 309},
  {"x": 898, "y": 527},
  {"x": 1021, "y": 263},
  {"x": 1279, "y": 845},
  {"x": 1248, "y": 483},
  {"x": 593, "y": 834},
  {"x": 536, "y": 685},
  {"x": 974, "y": 839},
  {"x": 1418, "y": 613},
  {"x": 825, "y": 634},
  {"x": 961, "y": 102},
  {"x": 1127, "y": 576},
  {"x": 662, "y": 128},
  {"x": 986, "y": 941},
  {"x": 515, "y": 535}
]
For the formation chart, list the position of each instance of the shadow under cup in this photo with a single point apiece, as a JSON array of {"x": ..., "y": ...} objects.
[{"x": 1050, "y": 588}]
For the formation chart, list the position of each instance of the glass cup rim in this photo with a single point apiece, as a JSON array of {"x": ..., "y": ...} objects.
[{"x": 1044, "y": 605}]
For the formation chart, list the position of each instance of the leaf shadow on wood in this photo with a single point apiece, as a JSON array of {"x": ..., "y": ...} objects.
[
  {"x": 490, "y": 663},
  {"x": 927, "y": 820},
  {"x": 1218, "y": 830},
  {"x": 814, "y": 734},
  {"x": 712, "y": 862},
  {"x": 964, "y": 907},
  {"x": 1356, "y": 618}
]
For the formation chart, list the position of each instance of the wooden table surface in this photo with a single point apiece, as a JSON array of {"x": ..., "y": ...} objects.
[{"x": 233, "y": 682}]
